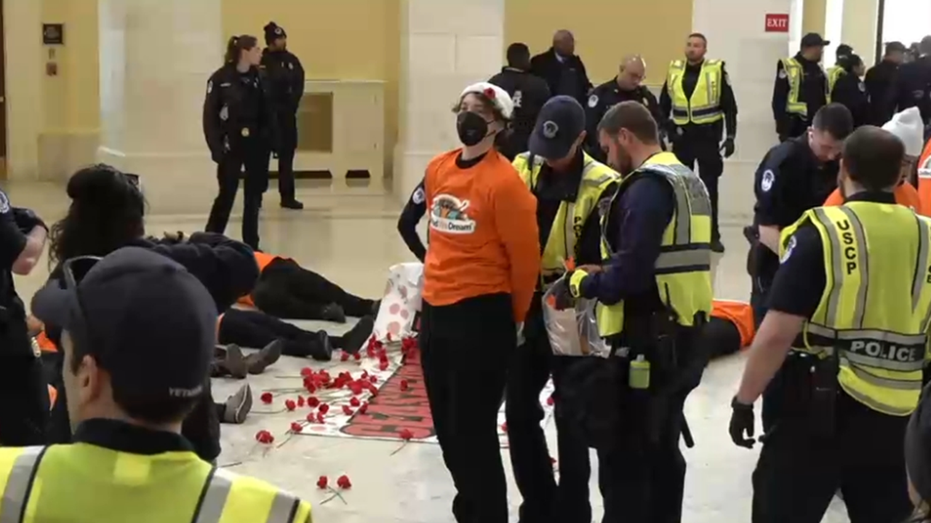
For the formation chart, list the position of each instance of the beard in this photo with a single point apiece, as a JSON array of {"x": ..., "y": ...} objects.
[{"x": 622, "y": 163}]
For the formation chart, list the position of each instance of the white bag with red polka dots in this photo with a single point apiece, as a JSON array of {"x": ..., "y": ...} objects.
[{"x": 401, "y": 302}]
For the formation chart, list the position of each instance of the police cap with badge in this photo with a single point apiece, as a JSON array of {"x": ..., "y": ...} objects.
[{"x": 559, "y": 125}]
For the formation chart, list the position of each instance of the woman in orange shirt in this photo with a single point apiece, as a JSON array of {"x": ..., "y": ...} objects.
[{"x": 479, "y": 275}]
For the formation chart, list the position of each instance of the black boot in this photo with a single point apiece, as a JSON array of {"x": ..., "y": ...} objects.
[{"x": 353, "y": 340}]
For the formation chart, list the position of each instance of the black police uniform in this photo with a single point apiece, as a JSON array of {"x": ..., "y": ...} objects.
[
  {"x": 642, "y": 473},
  {"x": 240, "y": 128},
  {"x": 878, "y": 81},
  {"x": 813, "y": 92},
  {"x": 799, "y": 470},
  {"x": 850, "y": 91},
  {"x": 701, "y": 143},
  {"x": 911, "y": 87},
  {"x": 414, "y": 210},
  {"x": 606, "y": 96},
  {"x": 529, "y": 372},
  {"x": 529, "y": 93},
  {"x": 285, "y": 76},
  {"x": 23, "y": 395}
]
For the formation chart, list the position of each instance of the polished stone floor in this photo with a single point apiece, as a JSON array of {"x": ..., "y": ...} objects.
[{"x": 351, "y": 238}]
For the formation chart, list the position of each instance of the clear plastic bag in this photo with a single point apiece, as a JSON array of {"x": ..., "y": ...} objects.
[{"x": 573, "y": 331}]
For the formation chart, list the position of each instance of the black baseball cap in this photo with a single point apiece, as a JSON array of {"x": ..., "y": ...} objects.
[
  {"x": 814, "y": 40},
  {"x": 148, "y": 321},
  {"x": 558, "y": 126}
]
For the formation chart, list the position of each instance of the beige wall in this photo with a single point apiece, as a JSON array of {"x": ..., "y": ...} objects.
[
  {"x": 813, "y": 19},
  {"x": 605, "y": 31}
]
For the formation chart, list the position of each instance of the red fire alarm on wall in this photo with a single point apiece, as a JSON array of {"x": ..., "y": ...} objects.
[{"x": 777, "y": 23}]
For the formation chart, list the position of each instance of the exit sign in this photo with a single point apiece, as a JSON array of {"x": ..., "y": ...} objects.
[{"x": 777, "y": 23}]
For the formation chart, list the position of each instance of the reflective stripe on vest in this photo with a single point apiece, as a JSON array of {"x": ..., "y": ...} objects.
[
  {"x": 794, "y": 73},
  {"x": 218, "y": 489},
  {"x": 704, "y": 106},
  {"x": 683, "y": 267},
  {"x": 19, "y": 483},
  {"x": 562, "y": 243},
  {"x": 834, "y": 74},
  {"x": 879, "y": 337}
]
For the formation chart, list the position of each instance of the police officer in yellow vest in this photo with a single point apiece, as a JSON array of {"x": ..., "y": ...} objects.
[
  {"x": 130, "y": 381},
  {"x": 851, "y": 301},
  {"x": 800, "y": 89},
  {"x": 837, "y": 70},
  {"x": 699, "y": 96},
  {"x": 568, "y": 184},
  {"x": 654, "y": 292}
]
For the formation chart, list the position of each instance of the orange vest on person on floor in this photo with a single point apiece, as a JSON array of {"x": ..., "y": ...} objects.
[
  {"x": 924, "y": 181},
  {"x": 263, "y": 260},
  {"x": 45, "y": 344},
  {"x": 740, "y": 314},
  {"x": 905, "y": 195}
]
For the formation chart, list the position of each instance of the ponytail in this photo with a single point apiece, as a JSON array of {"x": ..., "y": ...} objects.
[{"x": 236, "y": 45}]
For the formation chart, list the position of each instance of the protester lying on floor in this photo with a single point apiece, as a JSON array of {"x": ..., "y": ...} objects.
[
  {"x": 730, "y": 328},
  {"x": 258, "y": 329},
  {"x": 107, "y": 212}
]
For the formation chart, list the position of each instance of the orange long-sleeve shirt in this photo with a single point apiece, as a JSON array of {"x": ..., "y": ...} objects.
[
  {"x": 905, "y": 195},
  {"x": 740, "y": 314},
  {"x": 924, "y": 181},
  {"x": 483, "y": 232}
]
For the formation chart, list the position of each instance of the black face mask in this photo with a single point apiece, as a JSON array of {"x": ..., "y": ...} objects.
[{"x": 472, "y": 128}]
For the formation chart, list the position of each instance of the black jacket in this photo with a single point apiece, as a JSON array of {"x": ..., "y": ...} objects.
[
  {"x": 878, "y": 81},
  {"x": 529, "y": 94},
  {"x": 813, "y": 92},
  {"x": 564, "y": 78},
  {"x": 285, "y": 80},
  {"x": 851, "y": 92},
  {"x": 602, "y": 98},
  {"x": 237, "y": 106},
  {"x": 911, "y": 87}
]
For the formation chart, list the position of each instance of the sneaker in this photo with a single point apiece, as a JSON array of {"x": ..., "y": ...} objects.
[
  {"x": 294, "y": 205},
  {"x": 717, "y": 246},
  {"x": 358, "y": 335},
  {"x": 334, "y": 313},
  {"x": 257, "y": 362},
  {"x": 238, "y": 405},
  {"x": 234, "y": 362},
  {"x": 320, "y": 346}
]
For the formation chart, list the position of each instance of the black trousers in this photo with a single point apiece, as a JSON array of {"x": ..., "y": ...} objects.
[
  {"x": 465, "y": 348},
  {"x": 287, "y": 290},
  {"x": 257, "y": 329},
  {"x": 643, "y": 476},
  {"x": 287, "y": 123},
  {"x": 544, "y": 499},
  {"x": 251, "y": 155},
  {"x": 798, "y": 473},
  {"x": 720, "y": 337},
  {"x": 704, "y": 151}
]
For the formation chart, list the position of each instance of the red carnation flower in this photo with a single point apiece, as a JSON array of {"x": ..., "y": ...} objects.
[
  {"x": 504, "y": 427},
  {"x": 404, "y": 385},
  {"x": 347, "y": 410},
  {"x": 382, "y": 365},
  {"x": 406, "y": 434},
  {"x": 320, "y": 417},
  {"x": 264, "y": 437},
  {"x": 364, "y": 408},
  {"x": 356, "y": 388},
  {"x": 309, "y": 385},
  {"x": 356, "y": 356},
  {"x": 344, "y": 356},
  {"x": 311, "y": 418},
  {"x": 266, "y": 397},
  {"x": 306, "y": 372},
  {"x": 290, "y": 405},
  {"x": 550, "y": 401},
  {"x": 343, "y": 482},
  {"x": 373, "y": 392},
  {"x": 322, "y": 482},
  {"x": 354, "y": 401},
  {"x": 300, "y": 401},
  {"x": 490, "y": 93},
  {"x": 324, "y": 408},
  {"x": 373, "y": 379},
  {"x": 296, "y": 427},
  {"x": 312, "y": 402}
]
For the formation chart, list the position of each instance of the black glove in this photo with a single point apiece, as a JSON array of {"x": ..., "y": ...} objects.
[
  {"x": 728, "y": 147},
  {"x": 742, "y": 421},
  {"x": 27, "y": 220}
]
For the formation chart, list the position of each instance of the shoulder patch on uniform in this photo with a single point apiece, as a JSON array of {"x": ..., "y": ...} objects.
[
  {"x": 783, "y": 74},
  {"x": 790, "y": 246},
  {"x": 593, "y": 101},
  {"x": 4, "y": 203},
  {"x": 418, "y": 197},
  {"x": 769, "y": 178},
  {"x": 209, "y": 86}
]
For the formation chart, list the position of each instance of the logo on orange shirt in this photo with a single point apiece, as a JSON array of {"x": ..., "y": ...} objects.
[{"x": 447, "y": 214}]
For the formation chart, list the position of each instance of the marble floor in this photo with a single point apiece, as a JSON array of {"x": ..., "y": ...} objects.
[{"x": 351, "y": 238}]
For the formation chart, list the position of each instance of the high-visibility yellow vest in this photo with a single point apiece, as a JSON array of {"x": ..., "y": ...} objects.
[
  {"x": 683, "y": 268},
  {"x": 874, "y": 312},
  {"x": 794, "y": 74},
  {"x": 705, "y": 104},
  {"x": 564, "y": 235},
  {"x": 834, "y": 74},
  {"x": 83, "y": 483}
]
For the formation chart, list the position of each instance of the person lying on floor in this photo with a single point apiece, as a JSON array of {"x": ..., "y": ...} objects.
[
  {"x": 245, "y": 328},
  {"x": 107, "y": 212},
  {"x": 730, "y": 328}
]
